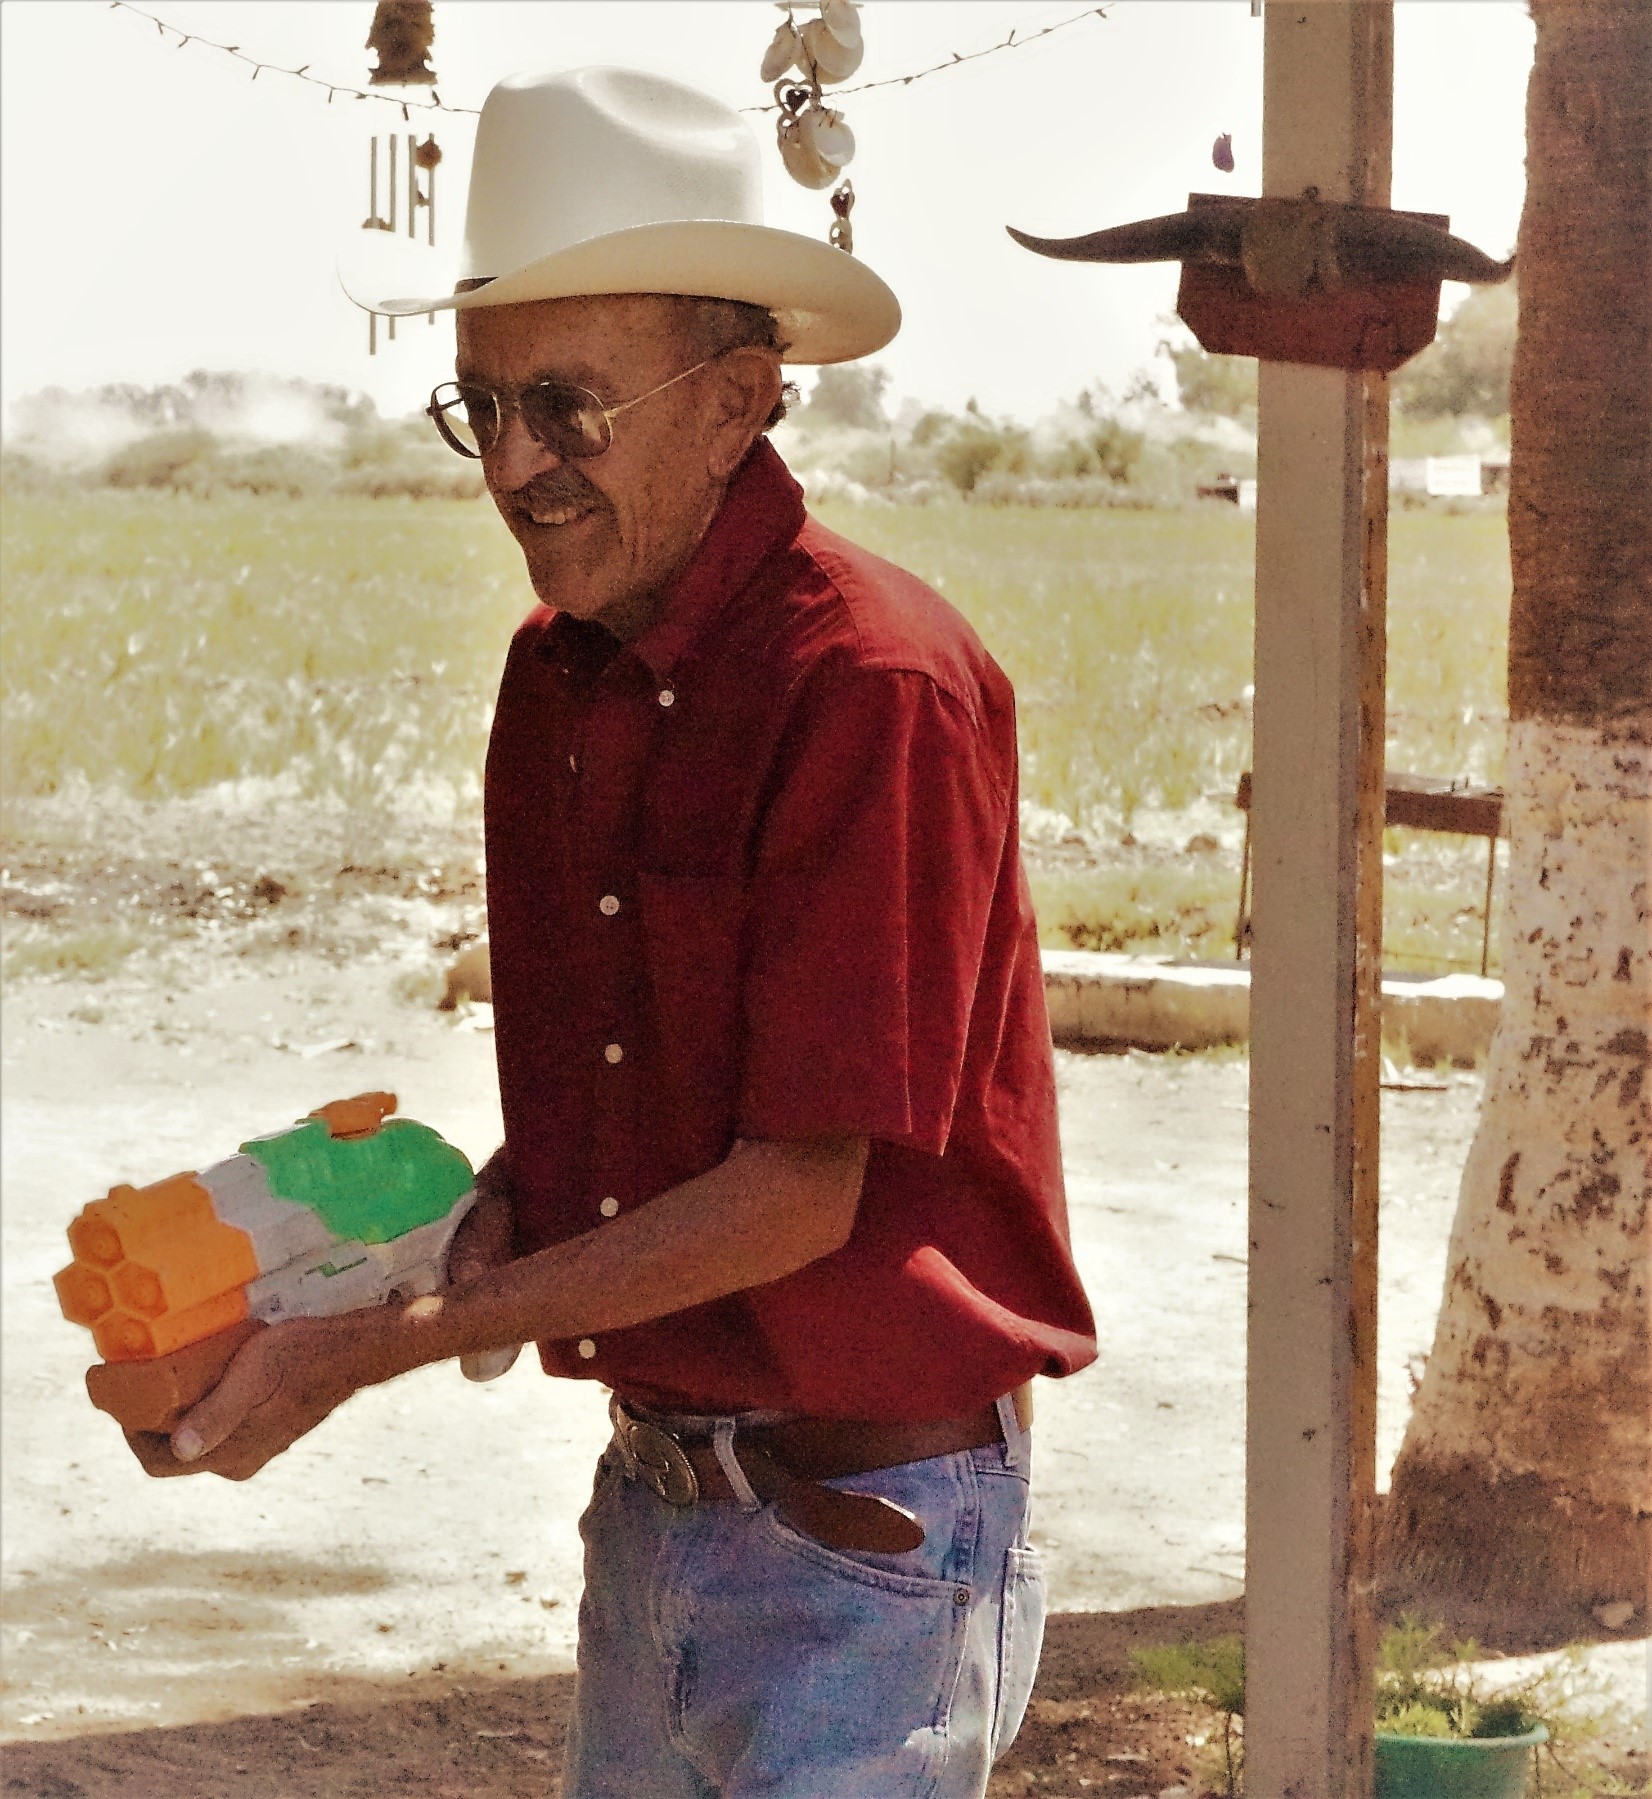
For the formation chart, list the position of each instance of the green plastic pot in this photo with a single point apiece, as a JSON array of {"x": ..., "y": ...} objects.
[{"x": 1455, "y": 1767}]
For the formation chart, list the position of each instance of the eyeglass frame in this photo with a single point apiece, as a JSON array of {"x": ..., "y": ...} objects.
[{"x": 509, "y": 399}]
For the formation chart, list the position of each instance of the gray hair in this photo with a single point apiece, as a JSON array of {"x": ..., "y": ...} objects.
[{"x": 713, "y": 326}]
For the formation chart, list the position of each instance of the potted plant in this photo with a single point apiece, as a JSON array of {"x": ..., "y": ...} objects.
[
  {"x": 1439, "y": 1736},
  {"x": 1441, "y": 1733}
]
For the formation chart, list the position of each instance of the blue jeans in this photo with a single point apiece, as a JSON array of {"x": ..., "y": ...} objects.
[{"x": 723, "y": 1654}]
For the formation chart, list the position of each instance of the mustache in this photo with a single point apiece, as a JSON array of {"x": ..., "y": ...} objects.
[{"x": 556, "y": 487}]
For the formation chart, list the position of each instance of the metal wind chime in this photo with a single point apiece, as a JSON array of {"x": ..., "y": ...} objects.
[
  {"x": 402, "y": 35},
  {"x": 816, "y": 144}
]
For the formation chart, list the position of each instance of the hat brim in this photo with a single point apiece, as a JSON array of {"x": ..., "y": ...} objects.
[{"x": 830, "y": 307}]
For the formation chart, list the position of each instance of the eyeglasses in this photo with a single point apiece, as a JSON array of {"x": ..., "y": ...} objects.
[{"x": 569, "y": 420}]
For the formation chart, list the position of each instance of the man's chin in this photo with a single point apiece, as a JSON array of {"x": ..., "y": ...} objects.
[{"x": 567, "y": 584}]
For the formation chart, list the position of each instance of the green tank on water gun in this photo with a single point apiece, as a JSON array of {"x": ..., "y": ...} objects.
[{"x": 344, "y": 1209}]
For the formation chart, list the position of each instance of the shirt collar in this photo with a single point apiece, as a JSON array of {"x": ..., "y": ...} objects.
[{"x": 761, "y": 512}]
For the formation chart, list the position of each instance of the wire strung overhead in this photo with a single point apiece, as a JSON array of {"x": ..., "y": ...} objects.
[
  {"x": 1015, "y": 41},
  {"x": 348, "y": 89}
]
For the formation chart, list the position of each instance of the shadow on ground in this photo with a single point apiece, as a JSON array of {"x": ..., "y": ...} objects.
[{"x": 504, "y": 1738}]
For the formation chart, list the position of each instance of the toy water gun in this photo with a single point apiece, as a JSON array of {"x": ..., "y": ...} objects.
[{"x": 344, "y": 1209}]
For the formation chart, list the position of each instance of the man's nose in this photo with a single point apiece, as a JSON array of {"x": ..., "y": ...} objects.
[{"x": 518, "y": 455}]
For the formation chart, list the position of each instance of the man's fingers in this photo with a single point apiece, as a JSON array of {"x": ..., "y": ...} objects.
[
  {"x": 249, "y": 1382},
  {"x": 153, "y": 1449},
  {"x": 154, "y": 1452}
]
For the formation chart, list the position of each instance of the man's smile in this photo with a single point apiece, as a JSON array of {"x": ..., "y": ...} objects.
[
  {"x": 555, "y": 500},
  {"x": 567, "y": 513}
]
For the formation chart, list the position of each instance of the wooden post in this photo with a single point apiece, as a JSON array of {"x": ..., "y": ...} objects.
[{"x": 1316, "y": 951}]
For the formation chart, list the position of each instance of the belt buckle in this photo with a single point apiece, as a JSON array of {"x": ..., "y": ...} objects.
[{"x": 656, "y": 1458}]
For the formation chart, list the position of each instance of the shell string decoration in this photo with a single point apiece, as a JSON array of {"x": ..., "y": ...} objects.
[{"x": 816, "y": 143}]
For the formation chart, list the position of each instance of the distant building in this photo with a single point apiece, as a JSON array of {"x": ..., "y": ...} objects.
[
  {"x": 1237, "y": 490},
  {"x": 1449, "y": 477}
]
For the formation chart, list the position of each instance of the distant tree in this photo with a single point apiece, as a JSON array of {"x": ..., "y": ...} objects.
[
  {"x": 1222, "y": 385},
  {"x": 1142, "y": 389},
  {"x": 1465, "y": 371},
  {"x": 971, "y": 448},
  {"x": 1116, "y": 448},
  {"x": 848, "y": 394}
]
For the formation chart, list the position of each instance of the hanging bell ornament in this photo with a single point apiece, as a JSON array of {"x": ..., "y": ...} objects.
[{"x": 402, "y": 34}]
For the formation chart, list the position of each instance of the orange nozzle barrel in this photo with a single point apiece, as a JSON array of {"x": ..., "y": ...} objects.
[
  {"x": 123, "y": 1337},
  {"x": 139, "y": 1290},
  {"x": 124, "y": 1225},
  {"x": 359, "y": 1116},
  {"x": 155, "y": 1268},
  {"x": 82, "y": 1292},
  {"x": 95, "y": 1240},
  {"x": 181, "y": 1269}
]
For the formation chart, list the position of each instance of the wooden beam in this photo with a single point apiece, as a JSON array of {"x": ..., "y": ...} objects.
[{"x": 1321, "y": 580}]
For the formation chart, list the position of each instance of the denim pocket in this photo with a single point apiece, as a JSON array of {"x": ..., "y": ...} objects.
[
  {"x": 1020, "y": 1638},
  {"x": 945, "y": 1497},
  {"x": 867, "y": 1568}
]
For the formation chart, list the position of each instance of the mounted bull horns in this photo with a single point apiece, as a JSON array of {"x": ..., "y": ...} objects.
[
  {"x": 1286, "y": 247},
  {"x": 1307, "y": 281}
]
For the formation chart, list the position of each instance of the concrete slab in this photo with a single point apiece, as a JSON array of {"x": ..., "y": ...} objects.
[{"x": 1097, "y": 999}]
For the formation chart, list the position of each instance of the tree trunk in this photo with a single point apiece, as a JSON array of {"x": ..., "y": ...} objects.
[{"x": 1521, "y": 1503}]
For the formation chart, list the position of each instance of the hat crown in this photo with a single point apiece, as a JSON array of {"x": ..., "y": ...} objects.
[{"x": 571, "y": 156}]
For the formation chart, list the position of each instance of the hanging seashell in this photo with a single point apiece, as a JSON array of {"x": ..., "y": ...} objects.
[
  {"x": 842, "y": 19},
  {"x": 830, "y": 59},
  {"x": 784, "y": 53},
  {"x": 828, "y": 135},
  {"x": 803, "y": 162}
]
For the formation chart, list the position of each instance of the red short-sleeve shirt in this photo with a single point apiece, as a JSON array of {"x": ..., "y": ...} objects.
[{"x": 756, "y": 875}]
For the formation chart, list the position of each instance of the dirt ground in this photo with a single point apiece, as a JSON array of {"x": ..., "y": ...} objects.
[{"x": 391, "y": 1607}]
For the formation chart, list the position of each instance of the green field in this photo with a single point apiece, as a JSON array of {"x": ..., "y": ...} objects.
[{"x": 349, "y": 648}]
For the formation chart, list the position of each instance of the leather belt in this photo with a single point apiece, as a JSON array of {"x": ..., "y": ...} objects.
[{"x": 786, "y": 1462}]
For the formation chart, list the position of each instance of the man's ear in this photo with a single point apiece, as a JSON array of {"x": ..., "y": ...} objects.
[{"x": 746, "y": 390}]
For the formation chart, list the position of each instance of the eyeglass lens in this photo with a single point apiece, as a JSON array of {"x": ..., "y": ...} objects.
[{"x": 567, "y": 420}]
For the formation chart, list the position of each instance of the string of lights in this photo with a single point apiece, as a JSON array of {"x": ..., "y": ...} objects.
[
  {"x": 1015, "y": 41},
  {"x": 956, "y": 60},
  {"x": 334, "y": 88}
]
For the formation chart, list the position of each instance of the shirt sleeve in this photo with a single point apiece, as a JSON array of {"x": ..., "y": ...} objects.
[{"x": 877, "y": 863}]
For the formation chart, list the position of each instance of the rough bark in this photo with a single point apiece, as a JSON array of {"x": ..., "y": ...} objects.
[
  {"x": 1521, "y": 1503},
  {"x": 1580, "y": 492}
]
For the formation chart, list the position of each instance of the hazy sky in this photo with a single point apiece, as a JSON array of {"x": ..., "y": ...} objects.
[{"x": 163, "y": 212}]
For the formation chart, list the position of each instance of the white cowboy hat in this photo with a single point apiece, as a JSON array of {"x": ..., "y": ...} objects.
[{"x": 613, "y": 181}]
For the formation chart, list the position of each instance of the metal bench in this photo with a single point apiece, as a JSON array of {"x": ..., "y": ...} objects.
[{"x": 1420, "y": 803}]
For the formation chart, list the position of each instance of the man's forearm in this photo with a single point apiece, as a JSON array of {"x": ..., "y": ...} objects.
[{"x": 767, "y": 1210}]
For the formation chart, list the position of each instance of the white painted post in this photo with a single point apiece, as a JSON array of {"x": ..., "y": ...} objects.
[{"x": 1321, "y": 545}]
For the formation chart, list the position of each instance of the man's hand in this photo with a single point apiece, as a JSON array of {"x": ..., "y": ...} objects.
[
  {"x": 486, "y": 1237},
  {"x": 281, "y": 1384}
]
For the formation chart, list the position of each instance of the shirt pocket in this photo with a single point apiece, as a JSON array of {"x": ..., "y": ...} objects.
[{"x": 691, "y": 942}]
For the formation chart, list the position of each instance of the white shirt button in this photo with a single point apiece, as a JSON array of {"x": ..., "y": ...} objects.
[
  {"x": 609, "y": 1207},
  {"x": 587, "y": 1348},
  {"x": 667, "y": 697},
  {"x": 608, "y": 905},
  {"x": 613, "y": 1053}
]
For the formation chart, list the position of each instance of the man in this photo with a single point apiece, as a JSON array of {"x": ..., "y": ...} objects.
[{"x": 780, "y": 1162}]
